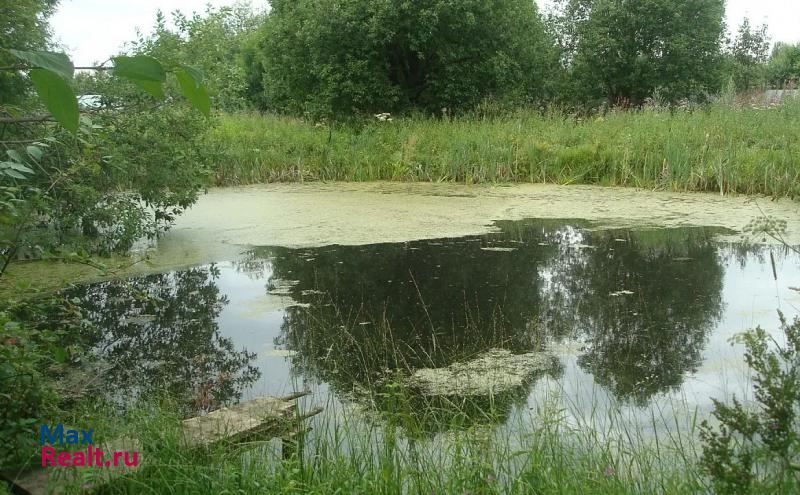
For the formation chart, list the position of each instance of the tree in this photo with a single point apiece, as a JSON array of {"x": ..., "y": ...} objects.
[
  {"x": 23, "y": 25},
  {"x": 64, "y": 182},
  {"x": 747, "y": 56},
  {"x": 213, "y": 43},
  {"x": 332, "y": 58},
  {"x": 60, "y": 188},
  {"x": 622, "y": 51},
  {"x": 783, "y": 68}
]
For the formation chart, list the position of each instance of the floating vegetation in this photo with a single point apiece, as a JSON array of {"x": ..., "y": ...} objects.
[
  {"x": 496, "y": 371},
  {"x": 280, "y": 353}
]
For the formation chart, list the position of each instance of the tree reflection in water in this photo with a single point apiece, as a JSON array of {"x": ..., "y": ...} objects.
[
  {"x": 643, "y": 302},
  {"x": 159, "y": 335}
]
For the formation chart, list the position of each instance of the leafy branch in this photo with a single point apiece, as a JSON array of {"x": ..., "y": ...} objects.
[{"x": 51, "y": 74}]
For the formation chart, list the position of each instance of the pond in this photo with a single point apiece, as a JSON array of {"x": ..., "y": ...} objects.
[{"x": 600, "y": 317}]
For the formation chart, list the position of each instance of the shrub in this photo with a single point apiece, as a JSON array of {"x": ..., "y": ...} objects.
[{"x": 757, "y": 449}]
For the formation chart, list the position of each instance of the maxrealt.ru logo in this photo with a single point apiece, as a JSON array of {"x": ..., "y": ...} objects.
[{"x": 50, "y": 437}]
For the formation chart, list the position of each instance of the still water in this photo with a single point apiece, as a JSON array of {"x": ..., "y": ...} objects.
[{"x": 626, "y": 318}]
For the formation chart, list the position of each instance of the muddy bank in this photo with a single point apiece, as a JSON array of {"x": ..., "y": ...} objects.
[{"x": 226, "y": 222}]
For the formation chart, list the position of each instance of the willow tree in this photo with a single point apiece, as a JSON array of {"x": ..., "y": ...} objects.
[
  {"x": 334, "y": 57},
  {"x": 624, "y": 50}
]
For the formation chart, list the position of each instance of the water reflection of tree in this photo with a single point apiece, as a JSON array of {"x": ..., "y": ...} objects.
[
  {"x": 644, "y": 303},
  {"x": 159, "y": 334},
  {"x": 433, "y": 302},
  {"x": 377, "y": 309}
]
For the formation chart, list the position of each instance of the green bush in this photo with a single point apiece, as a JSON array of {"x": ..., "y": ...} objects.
[
  {"x": 26, "y": 395},
  {"x": 756, "y": 448}
]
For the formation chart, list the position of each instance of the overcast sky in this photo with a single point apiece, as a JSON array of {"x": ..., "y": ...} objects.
[{"x": 92, "y": 30}]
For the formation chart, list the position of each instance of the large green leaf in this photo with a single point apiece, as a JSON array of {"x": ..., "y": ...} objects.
[
  {"x": 193, "y": 91},
  {"x": 14, "y": 155},
  {"x": 56, "y": 62},
  {"x": 57, "y": 97},
  {"x": 17, "y": 166},
  {"x": 10, "y": 172},
  {"x": 139, "y": 68},
  {"x": 154, "y": 88},
  {"x": 34, "y": 152},
  {"x": 196, "y": 74}
]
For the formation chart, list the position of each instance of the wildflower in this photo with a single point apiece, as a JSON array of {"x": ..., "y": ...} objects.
[
  {"x": 609, "y": 472},
  {"x": 490, "y": 478}
]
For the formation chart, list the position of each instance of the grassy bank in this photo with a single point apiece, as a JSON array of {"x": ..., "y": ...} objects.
[
  {"x": 351, "y": 452},
  {"x": 741, "y": 150}
]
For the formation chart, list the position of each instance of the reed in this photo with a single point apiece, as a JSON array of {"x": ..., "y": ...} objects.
[
  {"x": 354, "y": 451},
  {"x": 723, "y": 148}
]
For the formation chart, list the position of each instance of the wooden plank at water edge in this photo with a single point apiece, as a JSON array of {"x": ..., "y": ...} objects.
[{"x": 264, "y": 418}]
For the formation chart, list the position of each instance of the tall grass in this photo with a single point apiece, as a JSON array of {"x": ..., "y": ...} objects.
[
  {"x": 349, "y": 452},
  {"x": 751, "y": 150},
  {"x": 557, "y": 442}
]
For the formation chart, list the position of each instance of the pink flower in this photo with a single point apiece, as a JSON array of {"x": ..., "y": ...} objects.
[{"x": 609, "y": 472}]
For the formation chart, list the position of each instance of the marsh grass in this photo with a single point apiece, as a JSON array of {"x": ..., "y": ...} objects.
[
  {"x": 724, "y": 148},
  {"x": 385, "y": 445},
  {"x": 399, "y": 442},
  {"x": 349, "y": 450}
]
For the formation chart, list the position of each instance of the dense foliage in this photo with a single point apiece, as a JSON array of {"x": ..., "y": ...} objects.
[
  {"x": 757, "y": 449},
  {"x": 622, "y": 51},
  {"x": 330, "y": 58},
  {"x": 72, "y": 185},
  {"x": 784, "y": 66},
  {"x": 336, "y": 59},
  {"x": 32, "y": 352},
  {"x": 23, "y": 25},
  {"x": 211, "y": 42}
]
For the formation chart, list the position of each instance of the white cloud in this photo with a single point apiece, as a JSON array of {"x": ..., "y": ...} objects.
[{"x": 92, "y": 30}]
